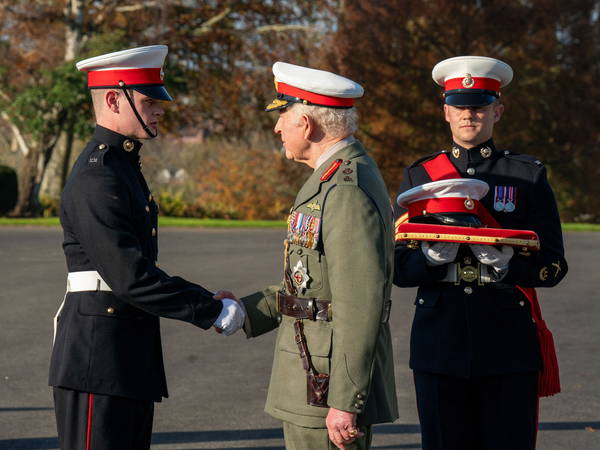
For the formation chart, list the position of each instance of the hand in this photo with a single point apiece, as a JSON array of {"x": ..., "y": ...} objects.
[
  {"x": 491, "y": 256},
  {"x": 232, "y": 317},
  {"x": 341, "y": 427},
  {"x": 220, "y": 295},
  {"x": 440, "y": 252}
]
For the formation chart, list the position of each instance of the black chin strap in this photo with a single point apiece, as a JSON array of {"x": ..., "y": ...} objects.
[{"x": 139, "y": 118}]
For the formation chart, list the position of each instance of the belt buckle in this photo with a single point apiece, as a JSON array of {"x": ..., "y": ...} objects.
[{"x": 468, "y": 273}]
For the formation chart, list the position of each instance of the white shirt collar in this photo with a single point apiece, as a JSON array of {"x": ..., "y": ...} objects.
[{"x": 333, "y": 149}]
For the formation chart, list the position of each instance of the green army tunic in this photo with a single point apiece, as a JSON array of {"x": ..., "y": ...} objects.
[{"x": 340, "y": 235}]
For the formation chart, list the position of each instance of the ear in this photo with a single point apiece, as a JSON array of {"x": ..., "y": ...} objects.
[
  {"x": 498, "y": 110},
  {"x": 308, "y": 125},
  {"x": 447, "y": 113},
  {"x": 111, "y": 100}
]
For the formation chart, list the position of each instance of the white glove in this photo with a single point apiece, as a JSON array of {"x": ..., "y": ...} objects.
[
  {"x": 232, "y": 317},
  {"x": 491, "y": 256},
  {"x": 440, "y": 252}
]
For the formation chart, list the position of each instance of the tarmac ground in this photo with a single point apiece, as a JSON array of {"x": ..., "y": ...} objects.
[{"x": 218, "y": 384}]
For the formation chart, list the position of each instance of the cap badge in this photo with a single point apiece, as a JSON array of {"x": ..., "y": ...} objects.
[
  {"x": 128, "y": 145},
  {"x": 469, "y": 203},
  {"x": 468, "y": 81}
]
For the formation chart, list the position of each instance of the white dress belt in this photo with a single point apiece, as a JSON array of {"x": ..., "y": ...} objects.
[
  {"x": 89, "y": 280},
  {"x": 86, "y": 280}
]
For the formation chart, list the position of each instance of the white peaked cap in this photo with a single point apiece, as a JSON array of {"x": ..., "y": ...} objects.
[
  {"x": 476, "y": 66},
  {"x": 452, "y": 188},
  {"x": 136, "y": 68},
  {"x": 298, "y": 84}
]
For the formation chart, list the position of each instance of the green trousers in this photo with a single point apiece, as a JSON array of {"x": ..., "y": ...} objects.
[{"x": 301, "y": 438}]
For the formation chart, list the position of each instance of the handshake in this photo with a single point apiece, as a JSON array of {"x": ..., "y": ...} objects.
[{"x": 232, "y": 316}]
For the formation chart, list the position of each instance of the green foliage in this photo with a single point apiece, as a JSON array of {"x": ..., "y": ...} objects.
[
  {"x": 56, "y": 97},
  {"x": 8, "y": 189}
]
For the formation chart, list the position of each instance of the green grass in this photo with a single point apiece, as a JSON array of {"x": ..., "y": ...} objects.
[
  {"x": 581, "y": 227},
  {"x": 224, "y": 223},
  {"x": 163, "y": 222}
]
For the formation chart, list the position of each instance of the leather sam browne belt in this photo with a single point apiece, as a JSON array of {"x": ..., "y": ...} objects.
[{"x": 303, "y": 308}]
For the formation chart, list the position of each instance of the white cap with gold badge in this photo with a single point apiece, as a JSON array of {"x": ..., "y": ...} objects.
[
  {"x": 297, "y": 84},
  {"x": 471, "y": 80}
]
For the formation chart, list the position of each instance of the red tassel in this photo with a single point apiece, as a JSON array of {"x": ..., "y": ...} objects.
[{"x": 549, "y": 380}]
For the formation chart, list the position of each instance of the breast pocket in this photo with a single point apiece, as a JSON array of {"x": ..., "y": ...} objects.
[{"x": 306, "y": 268}]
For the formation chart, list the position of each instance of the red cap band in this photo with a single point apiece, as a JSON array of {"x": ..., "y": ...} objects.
[
  {"x": 107, "y": 78},
  {"x": 442, "y": 205},
  {"x": 318, "y": 99},
  {"x": 488, "y": 84}
]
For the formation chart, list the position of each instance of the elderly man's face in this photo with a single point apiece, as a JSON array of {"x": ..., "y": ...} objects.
[
  {"x": 471, "y": 126},
  {"x": 292, "y": 130}
]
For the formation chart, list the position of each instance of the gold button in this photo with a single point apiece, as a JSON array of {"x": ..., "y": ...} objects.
[
  {"x": 468, "y": 290},
  {"x": 522, "y": 303},
  {"x": 471, "y": 171},
  {"x": 150, "y": 198},
  {"x": 153, "y": 231},
  {"x": 110, "y": 310},
  {"x": 102, "y": 146},
  {"x": 421, "y": 301},
  {"x": 147, "y": 209},
  {"x": 128, "y": 145},
  {"x": 359, "y": 396},
  {"x": 357, "y": 406}
]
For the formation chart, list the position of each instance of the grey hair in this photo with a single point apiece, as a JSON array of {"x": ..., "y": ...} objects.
[{"x": 335, "y": 122}]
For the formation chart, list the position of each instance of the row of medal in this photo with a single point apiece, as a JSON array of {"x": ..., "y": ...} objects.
[
  {"x": 303, "y": 229},
  {"x": 505, "y": 198}
]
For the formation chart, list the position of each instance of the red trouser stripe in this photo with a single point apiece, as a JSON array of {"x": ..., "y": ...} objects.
[{"x": 89, "y": 422}]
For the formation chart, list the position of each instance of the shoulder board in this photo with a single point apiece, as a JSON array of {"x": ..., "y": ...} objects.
[
  {"x": 335, "y": 165},
  {"x": 420, "y": 161},
  {"x": 96, "y": 157},
  {"x": 523, "y": 158},
  {"x": 348, "y": 173}
]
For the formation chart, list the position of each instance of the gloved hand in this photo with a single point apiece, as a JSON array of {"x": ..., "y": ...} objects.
[
  {"x": 440, "y": 252},
  {"x": 491, "y": 256},
  {"x": 232, "y": 317}
]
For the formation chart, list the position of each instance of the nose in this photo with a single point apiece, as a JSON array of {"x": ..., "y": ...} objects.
[
  {"x": 159, "y": 111},
  {"x": 467, "y": 113},
  {"x": 277, "y": 129}
]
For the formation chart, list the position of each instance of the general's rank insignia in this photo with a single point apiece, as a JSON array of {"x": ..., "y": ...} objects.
[
  {"x": 300, "y": 275},
  {"x": 304, "y": 229},
  {"x": 314, "y": 206},
  {"x": 505, "y": 198}
]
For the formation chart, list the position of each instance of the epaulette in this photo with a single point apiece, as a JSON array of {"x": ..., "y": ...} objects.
[
  {"x": 97, "y": 155},
  {"x": 347, "y": 174},
  {"x": 420, "y": 161},
  {"x": 523, "y": 158}
]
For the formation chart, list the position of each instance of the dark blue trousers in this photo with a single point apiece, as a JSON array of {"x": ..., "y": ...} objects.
[
  {"x": 480, "y": 413},
  {"x": 101, "y": 422}
]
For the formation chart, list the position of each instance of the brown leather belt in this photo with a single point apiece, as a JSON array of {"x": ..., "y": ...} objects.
[{"x": 303, "y": 308}]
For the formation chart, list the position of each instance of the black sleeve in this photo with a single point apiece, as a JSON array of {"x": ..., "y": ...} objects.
[
  {"x": 410, "y": 265},
  {"x": 548, "y": 266},
  {"x": 100, "y": 214}
]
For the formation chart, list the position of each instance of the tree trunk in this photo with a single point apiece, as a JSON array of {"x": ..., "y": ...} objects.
[{"x": 28, "y": 204}]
